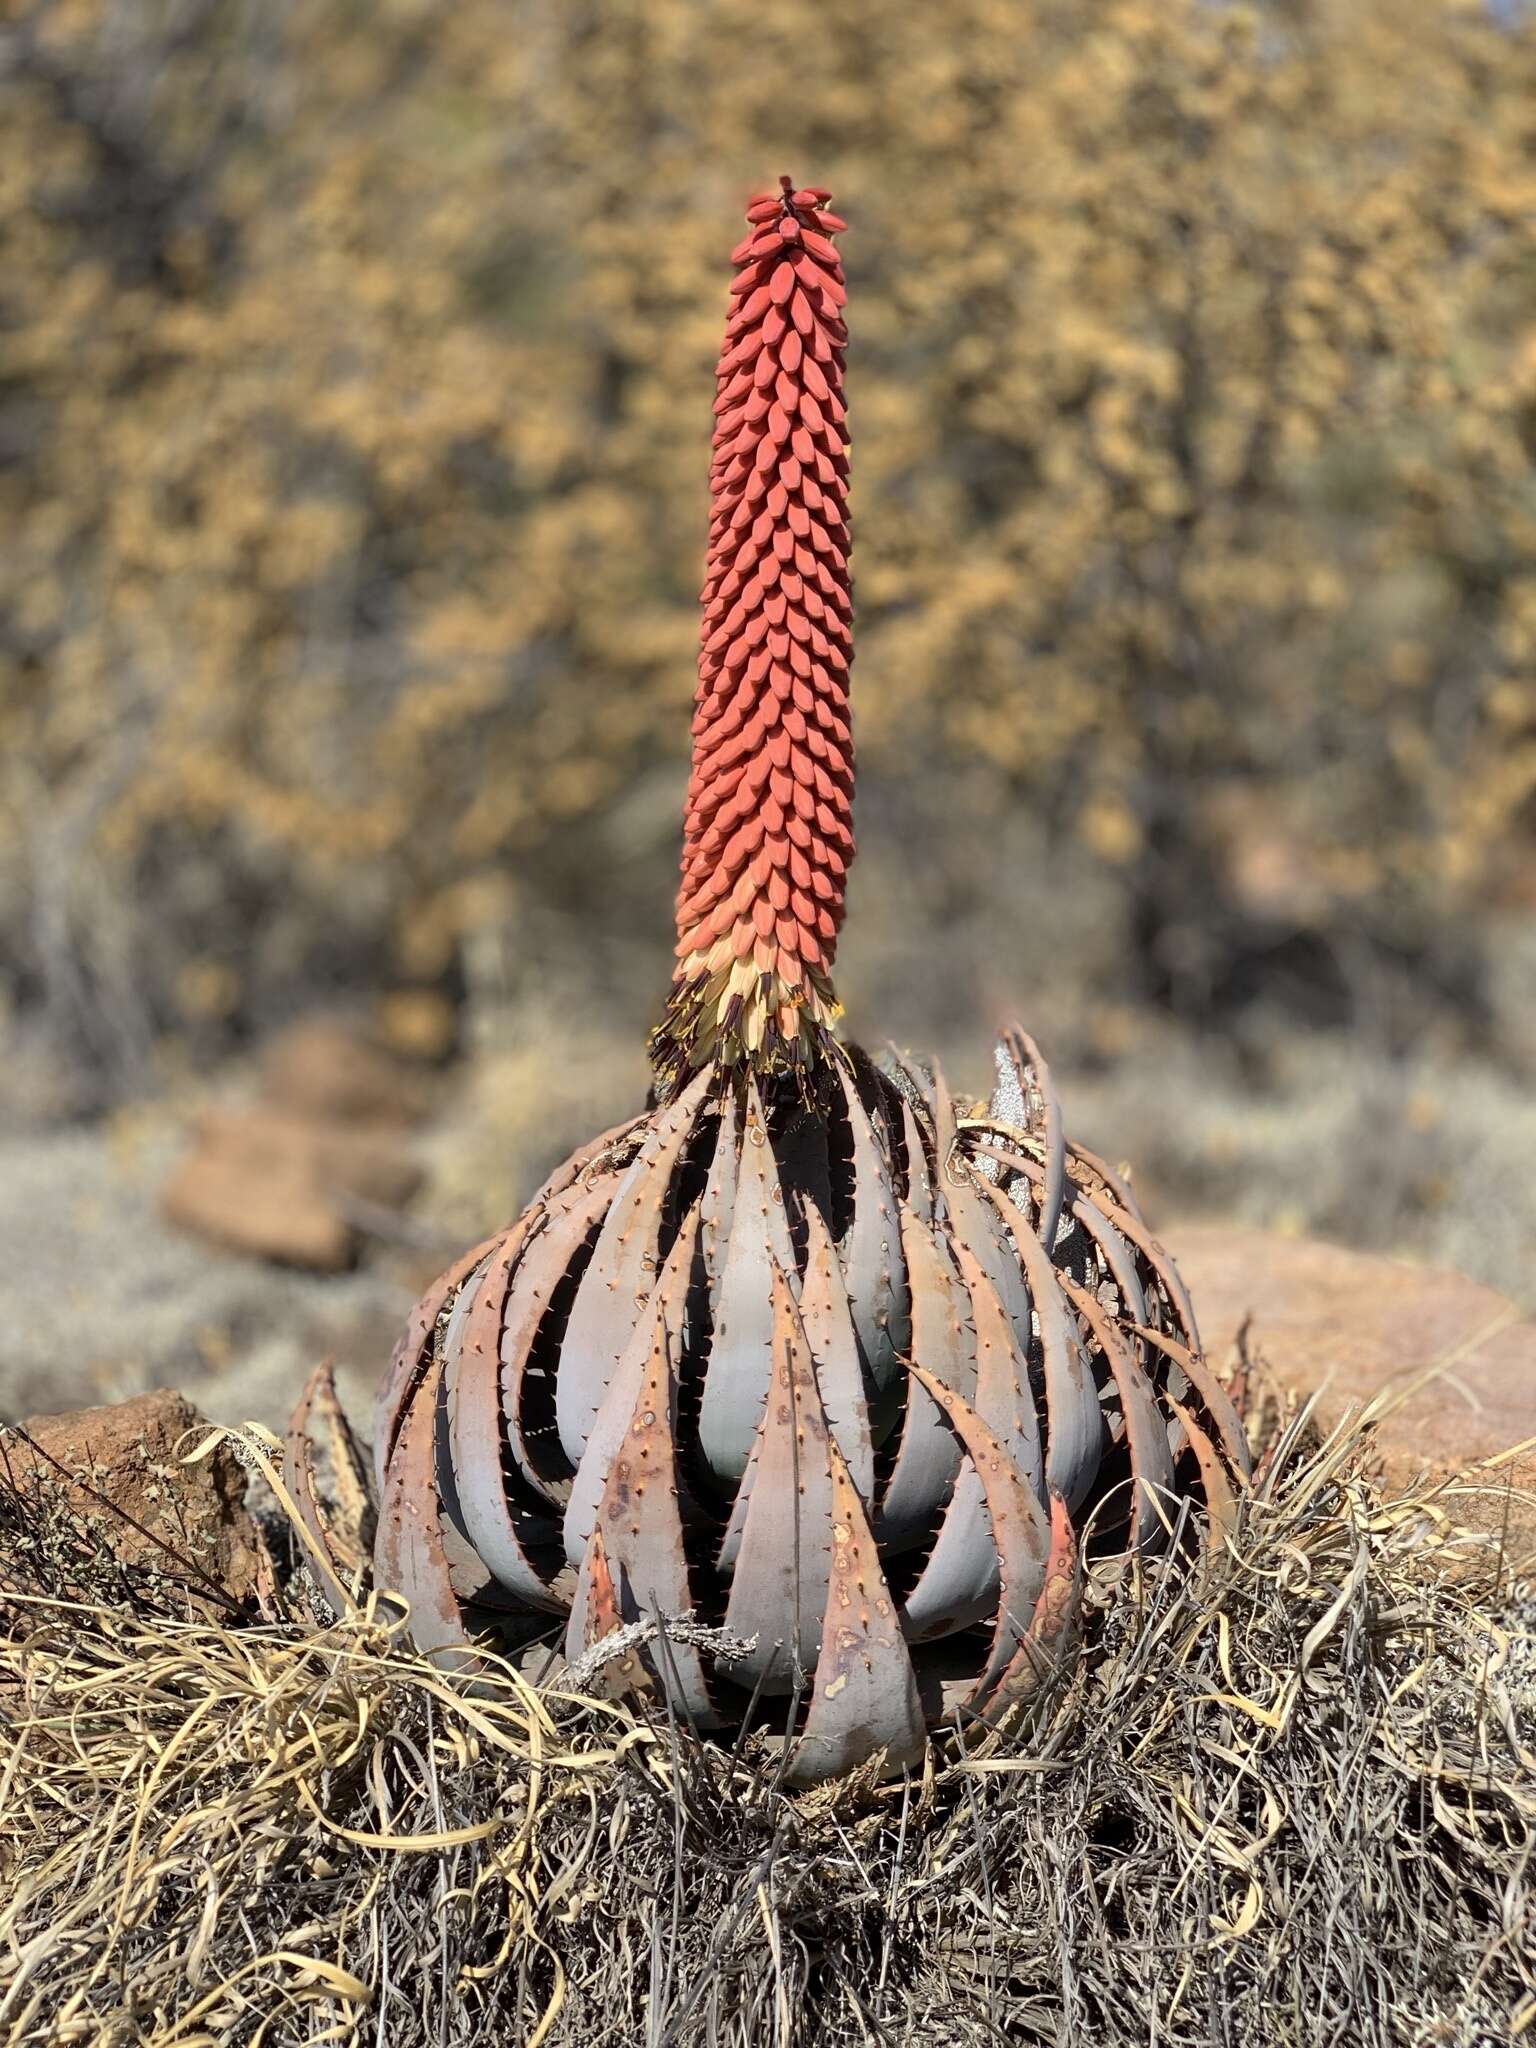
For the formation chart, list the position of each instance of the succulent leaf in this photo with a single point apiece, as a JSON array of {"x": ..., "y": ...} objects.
[{"x": 731, "y": 1439}]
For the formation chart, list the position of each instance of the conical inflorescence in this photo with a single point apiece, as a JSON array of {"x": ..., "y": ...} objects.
[
  {"x": 830, "y": 1378},
  {"x": 768, "y": 829}
]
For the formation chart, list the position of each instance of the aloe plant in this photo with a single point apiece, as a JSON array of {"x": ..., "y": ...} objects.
[{"x": 829, "y": 1370}]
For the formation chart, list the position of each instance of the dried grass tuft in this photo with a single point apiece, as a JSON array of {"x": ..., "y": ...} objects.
[{"x": 1288, "y": 1798}]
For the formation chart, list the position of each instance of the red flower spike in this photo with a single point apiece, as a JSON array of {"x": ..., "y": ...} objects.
[{"x": 753, "y": 946}]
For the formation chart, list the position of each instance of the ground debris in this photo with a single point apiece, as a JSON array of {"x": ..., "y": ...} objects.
[{"x": 1288, "y": 1798}]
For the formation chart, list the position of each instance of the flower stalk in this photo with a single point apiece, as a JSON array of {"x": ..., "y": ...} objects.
[{"x": 768, "y": 826}]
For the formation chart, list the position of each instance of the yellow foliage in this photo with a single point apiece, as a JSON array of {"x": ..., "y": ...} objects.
[{"x": 357, "y": 391}]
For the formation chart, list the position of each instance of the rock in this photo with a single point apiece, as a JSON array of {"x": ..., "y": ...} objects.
[
  {"x": 278, "y": 1215},
  {"x": 1354, "y": 1323},
  {"x": 322, "y": 1153},
  {"x": 326, "y": 1066},
  {"x": 295, "y": 1175},
  {"x": 127, "y": 1457}
]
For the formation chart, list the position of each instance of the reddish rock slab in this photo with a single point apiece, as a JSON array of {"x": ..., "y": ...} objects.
[
  {"x": 321, "y": 1154},
  {"x": 328, "y": 1066},
  {"x": 120, "y": 1468},
  {"x": 271, "y": 1212},
  {"x": 1352, "y": 1324},
  {"x": 369, "y": 1163}
]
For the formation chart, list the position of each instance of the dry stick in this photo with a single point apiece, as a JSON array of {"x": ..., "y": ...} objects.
[
  {"x": 756, "y": 1877},
  {"x": 896, "y": 1876},
  {"x": 670, "y": 1687},
  {"x": 969, "y": 1788},
  {"x": 1498, "y": 1584},
  {"x": 442, "y": 1875}
]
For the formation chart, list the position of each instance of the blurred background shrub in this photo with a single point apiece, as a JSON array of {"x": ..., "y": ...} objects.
[{"x": 354, "y": 393}]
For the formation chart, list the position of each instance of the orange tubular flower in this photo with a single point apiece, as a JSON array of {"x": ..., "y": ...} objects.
[{"x": 768, "y": 833}]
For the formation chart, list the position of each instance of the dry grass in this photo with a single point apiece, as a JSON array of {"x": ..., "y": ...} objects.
[{"x": 1289, "y": 1797}]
